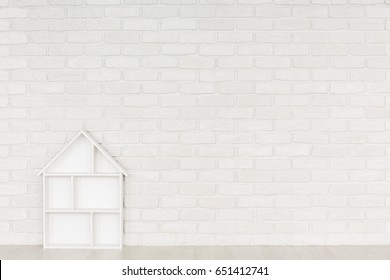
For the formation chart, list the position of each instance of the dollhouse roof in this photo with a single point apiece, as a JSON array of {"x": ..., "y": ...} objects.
[{"x": 82, "y": 137}]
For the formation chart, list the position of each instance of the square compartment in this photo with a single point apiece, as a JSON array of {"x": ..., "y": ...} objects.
[
  {"x": 58, "y": 192},
  {"x": 68, "y": 229},
  {"x": 97, "y": 192},
  {"x": 106, "y": 230}
]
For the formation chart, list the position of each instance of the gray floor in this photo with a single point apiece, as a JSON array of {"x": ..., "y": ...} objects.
[{"x": 203, "y": 253}]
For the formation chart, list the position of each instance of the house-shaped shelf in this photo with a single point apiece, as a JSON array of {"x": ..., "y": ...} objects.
[{"x": 83, "y": 197}]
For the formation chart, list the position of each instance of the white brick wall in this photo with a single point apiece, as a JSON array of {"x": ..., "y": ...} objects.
[{"x": 240, "y": 121}]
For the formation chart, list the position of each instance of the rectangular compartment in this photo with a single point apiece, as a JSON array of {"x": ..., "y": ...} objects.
[
  {"x": 96, "y": 192},
  {"x": 58, "y": 192},
  {"x": 68, "y": 230},
  {"x": 106, "y": 230}
]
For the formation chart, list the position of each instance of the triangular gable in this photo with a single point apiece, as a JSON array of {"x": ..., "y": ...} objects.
[{"x": 77, "y": 157}]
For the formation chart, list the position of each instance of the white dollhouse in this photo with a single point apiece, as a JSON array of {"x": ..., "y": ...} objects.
[{"x": 83, "y": 197}]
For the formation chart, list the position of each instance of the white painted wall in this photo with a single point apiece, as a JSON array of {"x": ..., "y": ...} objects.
[{"x": 239, "y": 121}]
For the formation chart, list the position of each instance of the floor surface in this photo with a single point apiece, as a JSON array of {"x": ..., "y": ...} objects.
[{"x": 202, "y": 253}]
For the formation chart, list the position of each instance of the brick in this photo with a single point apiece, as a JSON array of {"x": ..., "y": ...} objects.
[
  {"x": 28, "y": 25},
  {"x": 292, "y": 176},
  {"x": 216, "y": 125},
  {"x": 102, "y": 125},
  {"x": 65, "y": 75},
  {"x": 102, "y": 75},
  {"x": 122, "y": 37},
  {"x": 13, "y": 13},
  {"x": 272, "y": 11},
  {"x": 377, "y": 189},
  {"x": 215, "y": 24},
  {"x": 159, "y": 12},
  {"x": 329, "y": 100},
  {"x": 13, "y": 214},
  {"x": 103, "y": 49},
  {"x": 309, "y": 62},
  {"x": 367, "y": 175},
  {"x": 272, "y": 62},
  {"x": 235, "y": 164},
  {"x": 291, "y": 101},
  {"x": 310, "y": 113},
  {"x": 13, "y": 38},
  {"x": 178, "y": 176},
  {"x": 141, "y": 202},
  {"x": 29, "y": 227},
  {"x": 104, "y": 24},
  {"x": 27, "y": 201},
  {"x": 367, "y": 24},
  {"x": 178, "y": 24},
  {"x": 84, "y": 37},
  {"x": 65, "y": 50},
  {"x": 216, "y": 176},
  {"x": 216, "y": 202},
  {"x": 143, "y": 75},
  {"x": 121, "y": 11},
  {"x": 84, "y": 88},
  {"x": 369, "y": 150},
  {"x": 165, "y": 138},
  {"x": 329, "y": 227},
  {"x": 178, "y": 150},
  {"x": 377, "y": 12},
  {"x": 197, "y": 12},
  {"x": 84, "y": 62},
  {"x": 65, "y": 2},
  {"x": 213, "y": 227},
  {"x": 347, "y": 62},
  {"x": 367, "y": 201},
  {"x": 347, "y": 12},
  {"x": 140, "y": 125},
  {"x": 367, "y": 49},
  {"x": 235, "y": 37},
  {"x": 249, "y": 50},
  {"x": 195, "y": 37},
  {"x": 47, "y": 62},
  {"x": 160, "y": 113},
  {"x": 141, "y": 227},
  {"x": 12, "y": 114},
  {"x": 197, "y": 215},
  {"x": 196, "y": 63},
  {"x": 254, "y": 176},
  {"x": 140, "y": 101},
  {"x": 160, "y": 215},
  {"x": 83, "y": 12},
  {"x": 292, "y": 150},
  {"x": 292, "y": 24},
  {"x": 329, "y": 24},
  {"x": 367, "y": 125},
  {"x": 159, "y": 164},
  {"x": 235, "y": 189},
  {"x": 119, "y": 113},
  {"x": 156, "y": 37},
  {"x": 179, "y": 227},
  {"x": 347, "y": 137},
  {"x": 159, "y": 88},
  {"x": 178, "y": 202},
  {"x": 177, "y": 49},
  {"x": 254, "y": 24},
  {"x": 102, "y": 2},
  {"x": 70, "y": 24}
]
